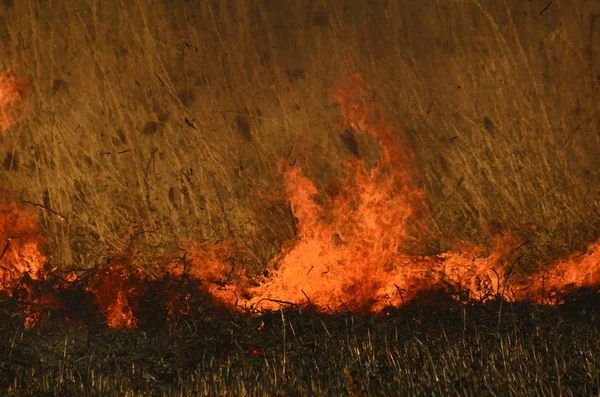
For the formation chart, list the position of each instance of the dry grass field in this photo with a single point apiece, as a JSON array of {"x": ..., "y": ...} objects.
[
  {"x": 152, "y": 121},
  {"x": 163, "y": 132}
]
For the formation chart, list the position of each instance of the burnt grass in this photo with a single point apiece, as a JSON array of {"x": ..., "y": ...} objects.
[{"x": 432, "y": 346}]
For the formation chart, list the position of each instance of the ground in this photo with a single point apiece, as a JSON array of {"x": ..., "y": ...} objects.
[{"x": 434, "y": 346}]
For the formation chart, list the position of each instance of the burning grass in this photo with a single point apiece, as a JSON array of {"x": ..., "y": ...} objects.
[
  {"x": 354, "y": 249},
  {"x": 503, "y": 128},
  {"x": 338, "y": 294},
  {"x": 433, "y": 346}
]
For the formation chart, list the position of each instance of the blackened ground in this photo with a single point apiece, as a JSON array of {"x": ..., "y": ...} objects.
[{"x": 433, "y": 346}]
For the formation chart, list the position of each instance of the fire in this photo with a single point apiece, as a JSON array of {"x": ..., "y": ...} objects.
[
  {"x": 12, "y": 91},
  {"x": 348, "y": 250},
  {"x": 198, "y": 278},
  {"x": 201, "y": 278},
  {"x": 581, "y": 270},
  {"x": 207, "y": 262},
  {"x": 21, "y": 260},
  {"x": 22, "y": 264},
  {"x": 354, "y": 249},
  {"x": 20, "y": 254},
  {"x": 116, "y": 291},
  {"x": 348, "y": 247},
  {"x": 349, "y": 257}
]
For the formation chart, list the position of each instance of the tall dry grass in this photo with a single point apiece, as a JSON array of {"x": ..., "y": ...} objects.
[{"x": 150, "y": 121}]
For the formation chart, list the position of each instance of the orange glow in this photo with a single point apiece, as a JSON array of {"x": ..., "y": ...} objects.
[
  {"x": 12, "y": 91},
  {"x": 19, "y": 245},
  {"x": 116, "y": 289},
  {"x": 581, "y": 270},
  {"x": 354, "y": 248}
]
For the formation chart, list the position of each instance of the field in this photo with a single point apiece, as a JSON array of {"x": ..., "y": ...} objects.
[
  {"x": 498, "y": 102},
  {"x": 300, "y": 197}
]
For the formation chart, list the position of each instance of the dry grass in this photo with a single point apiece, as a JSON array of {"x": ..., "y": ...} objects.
[{"x": 498, "y": 99}]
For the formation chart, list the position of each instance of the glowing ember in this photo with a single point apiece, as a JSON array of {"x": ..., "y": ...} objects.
[{"x": 116, "y": 290}]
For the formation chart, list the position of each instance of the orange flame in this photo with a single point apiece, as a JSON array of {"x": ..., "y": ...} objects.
[
  {"x": 348, "y": 250},
  {"x": 116, "y": 289},
  {"x": 351, "y": 252},
  {"x": 119, "y": 287},
  {"x": 19, "y": 239},
  {"x": 206, "y": 266},
  {"x": 581, "y": 270}
]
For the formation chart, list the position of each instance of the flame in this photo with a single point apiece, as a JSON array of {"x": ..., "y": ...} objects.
[
  {"x": 22, "y": 264},
  {"x": 348, "y": 251},
  {"x": 580, "y": 270},
  {"x": 349, "y": 257},
  {"x": 354, "y": 248},
  {"x": 116, "y": 289},
  {"x": 20, "y": 239},
  {"x": 21, "y": 260},
  {"x": 197, "y": 278},
  {"x": 207, "y": 262},
  {"x": 12, "y": 92},
  {"x": 203, "y": 271}
]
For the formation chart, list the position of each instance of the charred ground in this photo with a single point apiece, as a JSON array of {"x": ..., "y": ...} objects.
[{"x": 434, "y": 346}]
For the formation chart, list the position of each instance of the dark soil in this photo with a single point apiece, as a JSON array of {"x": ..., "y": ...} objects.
[{"x": 433, "y": 346}]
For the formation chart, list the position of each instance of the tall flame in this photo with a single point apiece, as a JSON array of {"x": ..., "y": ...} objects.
[
  {"x": 352, "y": 249},
  {"x": 348, "y": 250},
  {"x": 21, "y": 260},
  {"x": 19, "y": 228}
]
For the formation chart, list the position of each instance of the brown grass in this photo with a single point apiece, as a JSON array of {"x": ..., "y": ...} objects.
[{"x": 171, "y": 117}]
